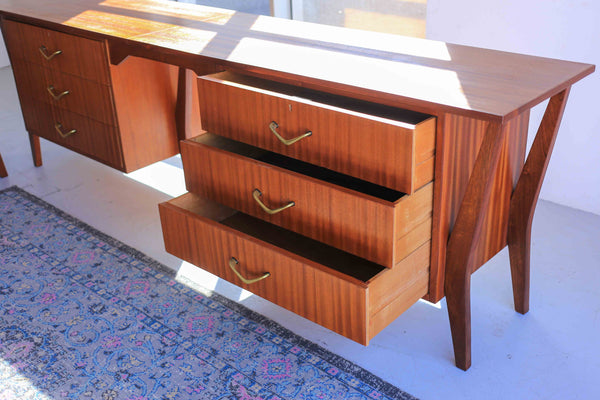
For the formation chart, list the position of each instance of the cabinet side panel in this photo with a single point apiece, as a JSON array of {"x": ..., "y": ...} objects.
[
  {"x": 512, "y": 158},
  {"x": 458, "y": 143},
  {"x": 145, "y": 95}
]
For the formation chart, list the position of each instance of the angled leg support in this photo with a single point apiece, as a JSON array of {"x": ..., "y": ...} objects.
[
  {"x": 460, "y": 256},
  {"x": 525, "y": 196}
]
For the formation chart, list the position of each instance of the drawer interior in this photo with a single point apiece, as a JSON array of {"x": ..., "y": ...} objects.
[
  {"x": 365, "y": 108},
  {"x": 301, "y": 167},
  {"x": 295, "y": 243}
]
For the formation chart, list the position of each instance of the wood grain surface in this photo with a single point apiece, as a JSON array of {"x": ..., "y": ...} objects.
[
  {"x": 525, "y": 196},
  {"x": 124, "y": 115},
  {"x": 460, "y": 256},
  {"x": 419, "y": 74},
  {"x": 195, "y": 229},
  {"x": 294, "y": 283},
  {"x": 79, "y": 56},
  {"x": 481, "y": 99},
  {"x": 456, "y": 155},
  {"x": 92, "y": 139},
  {"x": 85, "y": 97},
  {"x": 374, "y": 229},
  {"x": 145, "y": 96},
  {"x": 386, "y": 146}
]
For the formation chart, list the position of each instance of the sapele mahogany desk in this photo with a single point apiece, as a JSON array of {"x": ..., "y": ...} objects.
[{"x": 130, "y": 63}]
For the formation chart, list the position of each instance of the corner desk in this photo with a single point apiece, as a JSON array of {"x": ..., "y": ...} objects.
[{"x": 341, "y": 174}]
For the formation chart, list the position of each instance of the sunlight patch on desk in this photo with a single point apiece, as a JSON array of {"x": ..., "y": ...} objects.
[
  {"x": 115, "y": 24},
  {"x": 161, "y": 176},
  {"x": 389, "y": 43},
  {"x": 189, "y": 11},
  {"x": 393, "y": 77}
]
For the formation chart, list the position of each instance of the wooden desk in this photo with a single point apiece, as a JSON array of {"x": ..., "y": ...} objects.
[{"x": 484, "y": 193}]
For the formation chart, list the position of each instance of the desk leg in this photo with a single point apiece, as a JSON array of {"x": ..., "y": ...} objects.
[
  {"x": 460, "y": 256},
  {"x": 3, "y": 172},
  {"x": 36, "y": 151},
  {"x": 524, "y": 199}
]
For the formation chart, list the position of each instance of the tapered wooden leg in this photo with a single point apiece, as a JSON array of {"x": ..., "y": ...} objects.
[
  {"x": 525, "y": 196},
  {"x": 36, "y": 151},
  {"x": 460, "y": 256},
  {"x": 3, "y": 172}
]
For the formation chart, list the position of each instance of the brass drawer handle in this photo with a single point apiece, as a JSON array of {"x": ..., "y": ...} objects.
[
  {"x": 64, "y": 135},
  {"x": 257, "y": 193},
  {"x": 273, "y": 126},
  {"x": 57, "y": 96},
  {"x": 233, "y": 262},
  {"x": 48, "y": 57}
]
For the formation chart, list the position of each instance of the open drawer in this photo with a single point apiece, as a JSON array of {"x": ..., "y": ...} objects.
[
  {"x": 361, "y": 218},
  {"x": 349, "y": 295},
  {"x": 388, "y": 146}
]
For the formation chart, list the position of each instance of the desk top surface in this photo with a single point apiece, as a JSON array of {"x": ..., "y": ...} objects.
[{"x": 426, "y": 75}]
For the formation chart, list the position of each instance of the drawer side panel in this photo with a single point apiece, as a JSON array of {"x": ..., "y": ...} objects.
[{"x": 394, "y": 291}]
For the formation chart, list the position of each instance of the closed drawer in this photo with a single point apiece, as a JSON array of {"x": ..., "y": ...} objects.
[
  {"x": 63, "y": 52},
  {"x": 379, "y": 144},
  {"x": 349, "y": 295},
  {"x": 71, "y": 93},
  {"x": 86, "y": 136},
  {"x": 367, "y": 220}
]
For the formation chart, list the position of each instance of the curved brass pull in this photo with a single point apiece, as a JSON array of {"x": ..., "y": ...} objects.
[
  {"x": 64, "y": 135},
  {"x": 257, "y": 193},
  {"x": 233, "y": 262},
  {"x": 57, "y": 96},
  {"x": 273, "y": 126},
  {"x": 44, "y": 52}
]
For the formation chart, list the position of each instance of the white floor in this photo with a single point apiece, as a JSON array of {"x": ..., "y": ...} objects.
[{"x": 551, "y": 353}]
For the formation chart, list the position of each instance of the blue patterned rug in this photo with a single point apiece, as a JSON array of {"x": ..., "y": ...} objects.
[{"x": 84, "y": 316}]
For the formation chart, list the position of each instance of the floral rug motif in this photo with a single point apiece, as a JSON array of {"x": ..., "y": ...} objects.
[{"x": 83, "y": 316}]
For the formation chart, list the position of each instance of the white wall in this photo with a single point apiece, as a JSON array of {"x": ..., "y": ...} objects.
[{"x": 565, "y": 29}]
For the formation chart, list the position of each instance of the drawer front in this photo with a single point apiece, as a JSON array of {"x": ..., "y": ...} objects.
[
  {"x": 320, "y": 209},
  {"x": 70, "y": 93},
  {"x": 389, "y": 153},
  {"x": 301, "y": 286},
  {"x": 78, "y": 56},
  {"x": 83, "y": 135}
]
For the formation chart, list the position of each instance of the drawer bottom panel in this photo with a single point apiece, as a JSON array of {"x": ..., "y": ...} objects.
[{"x": 349, "y": 295}]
